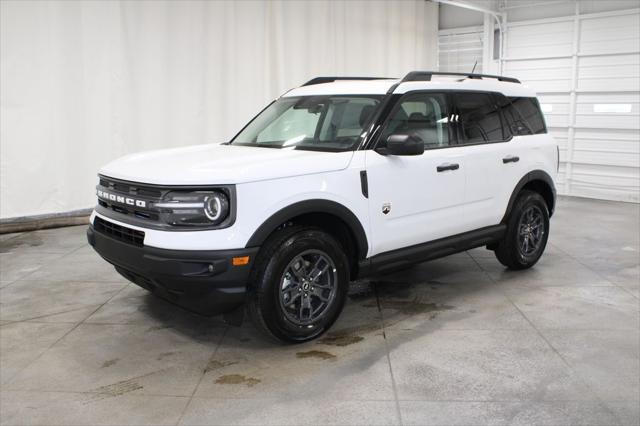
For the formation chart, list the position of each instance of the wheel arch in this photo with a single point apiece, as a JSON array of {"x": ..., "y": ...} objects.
[
  {"x": 330, "y": 215},
  {"x": 538, "y": 181}
]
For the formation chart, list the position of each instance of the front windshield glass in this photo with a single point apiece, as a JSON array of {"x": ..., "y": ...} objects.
[{"x": 323, "y": 123}]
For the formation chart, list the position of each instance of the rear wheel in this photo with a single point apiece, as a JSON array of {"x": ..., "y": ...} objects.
[
  {"x": 299, "y": 284},
  {"x": 527, "y": 232}
]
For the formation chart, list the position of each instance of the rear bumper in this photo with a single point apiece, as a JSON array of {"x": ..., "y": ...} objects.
[{"x": 202, "y": 281}]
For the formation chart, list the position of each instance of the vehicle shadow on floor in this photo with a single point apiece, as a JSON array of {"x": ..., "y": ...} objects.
[{"x": 416, "y": 301}]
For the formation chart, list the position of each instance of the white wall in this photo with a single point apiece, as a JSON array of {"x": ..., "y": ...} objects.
[{"x": 82, "y": 83}]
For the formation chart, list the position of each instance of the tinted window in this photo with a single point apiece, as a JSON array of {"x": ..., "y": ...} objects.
[
  {"x": 478, "y": 118},
  {"x": 423, "y": 114},
  {"x": 325, "y": 123},
  {"x": 523, "y": 115}
]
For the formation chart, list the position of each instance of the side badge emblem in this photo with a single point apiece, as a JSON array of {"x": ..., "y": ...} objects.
[{"x": 386, "y": 208}]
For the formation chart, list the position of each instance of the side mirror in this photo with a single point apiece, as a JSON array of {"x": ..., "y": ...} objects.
[{"x": 400, "y": 144}]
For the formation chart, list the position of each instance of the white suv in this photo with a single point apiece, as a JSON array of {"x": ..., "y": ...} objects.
[{"x": 335, "y": 180}]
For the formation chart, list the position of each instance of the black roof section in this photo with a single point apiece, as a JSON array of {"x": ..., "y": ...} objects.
[
  {"x": 321, "y": 80},
  {"x": 426, "y": 76},
  {"x": 413, "y": 76}
]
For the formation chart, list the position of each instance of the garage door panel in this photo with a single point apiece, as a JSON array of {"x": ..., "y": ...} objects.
[
  {"x": 621, "y": 45},
  {"x": 608, "y": 97},
  {"x": 610, "y": 111},
  {"x": 548, "y": 86},
  {"x": 619, "y": 84},
  {"x": 601, "y": 159},
  {"x": 538, "y": 39},
  {"x": 606, "y": 182},
  {"x": 609, "y": 73},
  {"x": 459, "y": 52},
  {"x": 625, "y": 142},
  {"x": 607, "y": 69},
  {"x": 589, "y": 92},
  {"x": 596, "y": 121},
  {"x": 540, "y": 64},
  {"x": 560, "y": 180},
  {"x": 612, "y": 63},
  {"x": 556, "y": 120},
  {"x": 552, "y": 75},
  {"x": 610, "y": 34},
  {"x": 555, "y": 110}
]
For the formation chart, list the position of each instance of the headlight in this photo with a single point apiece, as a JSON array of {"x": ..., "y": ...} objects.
[{"x": 198, "y": 208}]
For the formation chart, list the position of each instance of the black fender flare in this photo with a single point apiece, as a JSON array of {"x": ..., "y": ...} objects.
[
  {"x": 313, "y": 206},
  {"x": 540, "y": 175}
]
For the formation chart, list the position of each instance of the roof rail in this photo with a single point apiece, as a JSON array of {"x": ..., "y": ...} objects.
[
  {"x": 426, "y": 76},
  {"x": 320, "y": 80}
]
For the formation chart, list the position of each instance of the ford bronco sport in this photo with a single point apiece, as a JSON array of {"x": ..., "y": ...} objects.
[{"x": 335, "y": 180}]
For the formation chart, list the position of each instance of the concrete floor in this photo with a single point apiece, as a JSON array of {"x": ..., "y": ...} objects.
[{"x": 454, "y": 341}]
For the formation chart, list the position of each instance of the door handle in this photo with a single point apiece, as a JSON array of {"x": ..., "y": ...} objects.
[
  {"x": 510, "y": 159},
  {"x": 447, "y": 166}
]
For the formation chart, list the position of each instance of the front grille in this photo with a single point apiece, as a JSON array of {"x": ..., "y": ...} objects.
[
  {"x": 117, "y": 232},
  {"x": 131, "y": 188},
  {"x": 136, "y": 191}
]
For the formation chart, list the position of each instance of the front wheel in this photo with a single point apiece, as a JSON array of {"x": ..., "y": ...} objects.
[
  {"x": 299, "y": 284},
  {"x": 527, "y": 232}
]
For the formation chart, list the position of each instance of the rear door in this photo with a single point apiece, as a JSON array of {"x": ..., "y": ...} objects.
[
  {"x": 416, "y": 199},
  {"x": 528, "y": 144},
  {"x": 491, "y": 157}
]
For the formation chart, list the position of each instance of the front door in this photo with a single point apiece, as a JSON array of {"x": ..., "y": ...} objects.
[{"x": 416, "y": 199}]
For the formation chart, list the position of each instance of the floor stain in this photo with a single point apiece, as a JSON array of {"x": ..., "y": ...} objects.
[
  {"x": 215, "y": 364},
  {"x": 315, "y": 354},
  {"x": 157, "y": 327},
  {"x": 341, "y": 339},
  {"x": 413, "y": 306},
  {"x": 359, "y": 290},
  {"x": 237, "y": 379},
  {"x": 29, "y": 240},
  {"x": 164, "y": 355},
  {"x": 119, "y": 388},
  {"x": 115, "y": 389},
  {"x": 110, "y": 362},
  {"x": 393, "y": 288}
]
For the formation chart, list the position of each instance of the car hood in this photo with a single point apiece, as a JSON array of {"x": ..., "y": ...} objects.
[{"x": 222, "y": 164}]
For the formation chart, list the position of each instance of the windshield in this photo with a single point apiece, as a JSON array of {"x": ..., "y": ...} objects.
[{"x": 323, "y": 123}]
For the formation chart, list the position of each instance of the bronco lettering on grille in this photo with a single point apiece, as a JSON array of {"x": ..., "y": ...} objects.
[{"x": 121, "y": 199}]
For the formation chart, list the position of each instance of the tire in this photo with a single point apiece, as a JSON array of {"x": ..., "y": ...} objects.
[
  {"x": 527, "y": 232},
  {"x": 283, "y": 296}
]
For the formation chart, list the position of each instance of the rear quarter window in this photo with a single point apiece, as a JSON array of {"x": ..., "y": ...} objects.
[{"x": 523, "y": 115}]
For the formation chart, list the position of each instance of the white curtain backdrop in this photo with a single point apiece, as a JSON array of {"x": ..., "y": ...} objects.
[{"x": 84, "y": 82}]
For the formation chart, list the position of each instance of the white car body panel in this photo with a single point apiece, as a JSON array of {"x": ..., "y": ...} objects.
[
  {"x": 424, "y": 205},
  {"x": 490, "y": 182},
  {"x": 222, "y": 164}
]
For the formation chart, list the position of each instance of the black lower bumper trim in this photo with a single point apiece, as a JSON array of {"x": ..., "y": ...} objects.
[{"x": 205, "y": 282}]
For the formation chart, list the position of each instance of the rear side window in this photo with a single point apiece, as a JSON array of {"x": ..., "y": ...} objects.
[
  {"x": 523, "y": 115},
  {"x": 478, "y": 118}
]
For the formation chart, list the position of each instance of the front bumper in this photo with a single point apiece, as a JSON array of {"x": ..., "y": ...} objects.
[{"x": 205, "y": 282}]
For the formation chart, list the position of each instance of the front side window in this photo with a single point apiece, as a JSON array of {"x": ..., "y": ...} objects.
[
  {"x": 478, "y": 118},
  {"x": 422, "y": 114},
  {"x": 323, "y": 123}
]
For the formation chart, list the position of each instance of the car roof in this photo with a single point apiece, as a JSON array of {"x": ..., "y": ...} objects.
[{"x": 382, "y": 86}]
